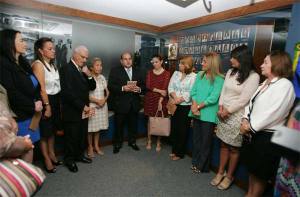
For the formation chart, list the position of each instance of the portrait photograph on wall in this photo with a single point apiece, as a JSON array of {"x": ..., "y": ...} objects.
[{"x": 172, "y": 52}]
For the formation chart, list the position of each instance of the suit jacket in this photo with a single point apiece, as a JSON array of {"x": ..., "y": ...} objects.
[
  {"x": 75, "y": 87},
  {"x": 20, "y": 90},
  {"x": 122, "y": 101}
]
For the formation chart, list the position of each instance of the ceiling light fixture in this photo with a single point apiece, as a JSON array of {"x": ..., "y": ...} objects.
[{"x": 182, "y": 3}]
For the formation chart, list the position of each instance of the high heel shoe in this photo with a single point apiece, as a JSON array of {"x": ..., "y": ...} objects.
[
  {"x": 57, "y": 163},
  {"x": 148, "y": 146},
  {"x": 217, "y": 179},
  {"x": 53, "y": 170},
  {"x": 99, "y": 152},
  {"x": 225, "y": 183},
  {"x": 158, "y": 147},
  {"x": 90, "y": 153}
]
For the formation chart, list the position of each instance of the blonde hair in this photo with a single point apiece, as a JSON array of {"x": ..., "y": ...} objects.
[
  {"x": 214, "y": 64},
  {"x": 187, "y": 61},
  {"x": 96, "y": 59}
]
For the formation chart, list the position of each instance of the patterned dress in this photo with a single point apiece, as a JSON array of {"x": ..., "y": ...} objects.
[
  {"x": 160, "y": 81},
  {"x": 288, "y": 174},
  {"x": 234, "y": 97},
  {"x": 100, "y": 120}
]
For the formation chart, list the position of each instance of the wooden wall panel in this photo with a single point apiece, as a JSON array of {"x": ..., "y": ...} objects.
[{"x": 263, "y": 41}]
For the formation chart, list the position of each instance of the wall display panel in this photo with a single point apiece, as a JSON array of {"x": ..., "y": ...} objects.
[
  {"x": 34, "y": 27},
  {"x": 224, "y": 36},
  {"x": 222, "y": 41}
]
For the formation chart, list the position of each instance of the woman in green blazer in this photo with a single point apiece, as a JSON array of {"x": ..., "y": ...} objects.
[{"x": 205, "y": 96}]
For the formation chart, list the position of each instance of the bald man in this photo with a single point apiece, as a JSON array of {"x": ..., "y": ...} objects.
[
  {"x": 125, "y": 84},
  {"x": 76, "y": 82}
]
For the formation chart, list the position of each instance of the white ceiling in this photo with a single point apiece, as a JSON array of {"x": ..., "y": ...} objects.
[{"x": 154, "y": 12}]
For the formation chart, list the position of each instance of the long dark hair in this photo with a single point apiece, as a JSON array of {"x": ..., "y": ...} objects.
[
  {"x": 243, "y": 55},
  {"x": 7, "y": 43},
  {"x": 39, "y": 44},
  {"x": 8, "y": 49}
]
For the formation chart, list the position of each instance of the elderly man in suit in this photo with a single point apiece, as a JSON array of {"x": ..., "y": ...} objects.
[
  {"x": 76, "y": 82},
  {"x": 125, "y": 83}
]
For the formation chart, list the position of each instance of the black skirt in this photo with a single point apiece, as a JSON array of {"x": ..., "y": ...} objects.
[
  {"x": 49, "y": 126},
  {"x": 260, "y": 156}
]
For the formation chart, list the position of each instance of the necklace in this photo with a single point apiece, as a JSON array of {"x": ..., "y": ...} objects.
[{"x": 158, "y": 72}]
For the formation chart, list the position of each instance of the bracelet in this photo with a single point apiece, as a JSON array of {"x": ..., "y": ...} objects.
[{"x": 45, "y": 104}]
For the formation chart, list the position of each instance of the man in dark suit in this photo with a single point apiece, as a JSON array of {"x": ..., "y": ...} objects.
[
  {"x": 125, "y": 83},
  {"x": 76, "y": 82}
]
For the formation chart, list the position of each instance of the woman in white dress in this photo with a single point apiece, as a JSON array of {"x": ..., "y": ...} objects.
[{"x": 98, "y": 101}]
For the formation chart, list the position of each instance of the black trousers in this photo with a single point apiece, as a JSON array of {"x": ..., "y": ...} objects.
[
  {"x": 202, "y": 144},
  {"x": 75, "y": 139},
  {"x": 130, "y": 120},
  {"x": 180, "y": 123}
]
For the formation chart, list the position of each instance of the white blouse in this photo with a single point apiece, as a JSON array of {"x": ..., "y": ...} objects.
[
  {"x": 270, "y": 106},
  {"x": 235, "y": 96},
  {"x": 182, "y": 88},
  {"x": 52, "y": 83}
]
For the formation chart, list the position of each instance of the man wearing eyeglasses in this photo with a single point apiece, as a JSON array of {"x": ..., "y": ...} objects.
[
  {"x": 125, "y": 84},
  {"x": 76, "y": 82}
]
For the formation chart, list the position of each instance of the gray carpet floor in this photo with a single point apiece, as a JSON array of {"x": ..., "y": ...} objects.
[{"x": 133, "y": 173}]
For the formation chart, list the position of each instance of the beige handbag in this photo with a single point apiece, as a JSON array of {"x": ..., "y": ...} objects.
[{"x": 159, "y": 126}]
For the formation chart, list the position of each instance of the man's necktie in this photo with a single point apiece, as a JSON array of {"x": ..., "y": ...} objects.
[{"x": 129, "y": 73}]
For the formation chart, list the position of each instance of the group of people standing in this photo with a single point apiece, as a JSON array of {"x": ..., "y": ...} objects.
[
  {"x": 62, "y": 99},
  {"x": 74, "y": 99},
  {"x": 241, "y": 112}
]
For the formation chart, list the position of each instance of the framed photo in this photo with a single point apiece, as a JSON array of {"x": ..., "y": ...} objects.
[
  {"x": 235, "y": 34},
  {"x": 172, "y": 52},
  {"x": 245, "y": 33},
  {"x": 211, "y": 37},
  {"x": 219, "y": 35},
  {"x": 226, "y": 35},
  {"x": 226, "y": 48},
  {"x": 204, "y": 37}
]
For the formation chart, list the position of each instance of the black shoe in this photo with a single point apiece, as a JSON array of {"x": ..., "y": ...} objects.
[
  {"x": 58, "y": 163},
  {"x": 134, "y": 146},
  {"x": 72, "y": 167},
  {"x": 116, "y": 149},
  {"x": 53, "y": 170},
  {"x": 84, "y": 159}
]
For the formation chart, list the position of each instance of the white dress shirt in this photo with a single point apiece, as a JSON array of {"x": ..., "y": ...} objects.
[{"x": 129, "y": 72}]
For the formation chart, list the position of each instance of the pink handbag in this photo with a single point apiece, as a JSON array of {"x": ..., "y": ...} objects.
[{"x": 159, "y": 126}]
